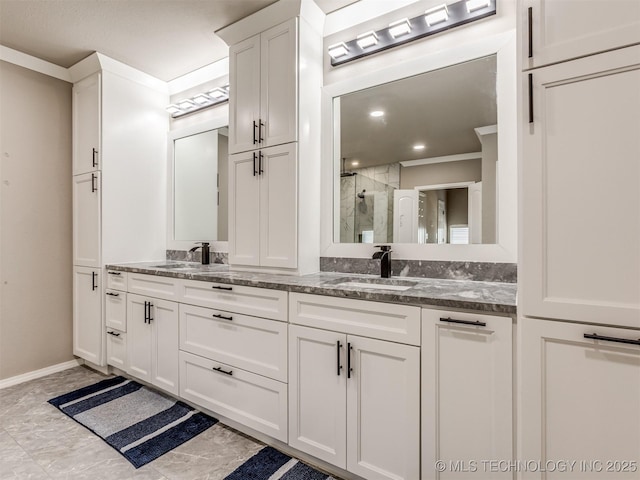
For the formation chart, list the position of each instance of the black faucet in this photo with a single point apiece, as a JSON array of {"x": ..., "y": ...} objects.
[
  {"x": 385, "y": 260},
  {"x": 205, "y": 252}
]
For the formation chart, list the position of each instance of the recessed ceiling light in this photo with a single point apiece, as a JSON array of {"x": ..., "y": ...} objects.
[
  {"x": 376, "y": 113},
  {"x": 436, "y": 15},
  {"x": 419, "y": 146},
  {"x": 338, "y": 50}
]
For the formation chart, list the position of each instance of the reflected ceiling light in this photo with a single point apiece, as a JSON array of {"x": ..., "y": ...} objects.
[
  {"x": 473, "y": 5},
  {"x": 376, "y": 113},
  {"x": 419, "y": 146},
  {"x": 355, "y": 163},
  {"x": 367, "y": 40},
  {"x": 399, "y": 28},
  {"x": 338, "y": 50},
  {"x": 199, "y": 101},
  {"x": 433, "y": 21},
  {"x": 436, "y": 15}
]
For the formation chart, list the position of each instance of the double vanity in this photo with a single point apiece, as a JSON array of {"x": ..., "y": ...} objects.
[{"x": 367, "y": 374}]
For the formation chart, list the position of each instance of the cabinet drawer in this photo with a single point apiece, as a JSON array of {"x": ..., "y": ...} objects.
[
  {"x": 117, "y": 348},
  {"x": 254, "y": 344},
  {"x": 116, "y": 309},
  {"x": 259, "y": 302},
  {"x": 397, "y": 323},
  {"x": 252, "y": 400},
  {"x": 153, "y": 286},
  {"x": 117, "y": 280}
]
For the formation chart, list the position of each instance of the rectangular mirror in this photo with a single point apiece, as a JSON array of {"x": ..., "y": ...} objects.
[
  {"x": 418, "y": 158},
  {"x": 198, "y": 186}
]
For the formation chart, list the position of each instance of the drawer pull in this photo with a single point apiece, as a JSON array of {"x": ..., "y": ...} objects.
[
  {"x": 222, "y": 288},
  {"x": 464, "y": 322},
  {"x": 113, "y": 333},
  {"x": 530, "y": 32},
  {"x": 595, "y": 336},
  {"x": 219, "y": 369},
  {"x": 217, "y": 315},
  {"x": 349, "y": 369},
  {"x": 338, "y": 346},
  {"x": 114, "y": 273},
  {"x": 113, "y": 294}
]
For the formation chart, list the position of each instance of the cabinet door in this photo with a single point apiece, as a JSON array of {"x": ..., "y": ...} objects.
[
  {"x": 279, "y": 84},
  {"x": 580, "y": 399},
  {"x": 86, "y": 125},
  {"x": 581, "y": 174},
  {"x": 383, "y": 409},
  {"x": 88, "y": 330},
  {"x": 138, "y": 338},
  {"x": 317, "y": 396},
  {"x": 244, "y": 209},
  {"x": 86, "y": 220},
  {"x": 164, "y": 346},
  {"x": 467, "y": 394},
  {"x": 566, "y": 29},
  {"x": 278, "y": 207},
  {"x": 244, "y": 101}
]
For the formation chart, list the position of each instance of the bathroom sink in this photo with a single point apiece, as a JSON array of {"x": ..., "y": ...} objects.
[{"x": 374, "y": 283}]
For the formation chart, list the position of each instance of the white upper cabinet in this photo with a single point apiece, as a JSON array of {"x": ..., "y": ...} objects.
[
  {"x": 86, "y": 124},
  {"x": 263, "y": 204},
  {"x": 263, "y": 82},
  {"x": 581, "y": 183},
  {"x": 558, "y": 30}
]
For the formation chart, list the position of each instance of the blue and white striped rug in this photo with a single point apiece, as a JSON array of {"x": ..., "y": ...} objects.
[
  {"x": 270, "y": 464},
  {"x": 138, "y": 422}
]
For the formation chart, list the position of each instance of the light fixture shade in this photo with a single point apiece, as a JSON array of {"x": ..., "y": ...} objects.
[
  {"x": 473, "y": 5},
  {"x": 367, "y": 40},
  {"x": 338, "y": 50},
  {"x": 186, "y": 105},
  {"x": 218, "y": 93},
  {"x": 201, "y": 99},
  {"x": 436, "y": 15},
  {"x": 173, "y": 109},
  {"x": 399, "y": 28}
]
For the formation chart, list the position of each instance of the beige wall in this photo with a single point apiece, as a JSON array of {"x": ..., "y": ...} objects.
[{"x": 35, "y": 221}]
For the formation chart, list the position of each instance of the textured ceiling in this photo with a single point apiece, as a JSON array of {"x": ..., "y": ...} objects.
[
  {"x": 439, "y": 109},
  {"x": 164, "y": 38}
]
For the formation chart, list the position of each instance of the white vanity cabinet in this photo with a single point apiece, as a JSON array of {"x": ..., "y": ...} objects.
[
  {"x": 581, "y": 164},
  {"x": 580, "y": 398},
  {"x": 354, "y": 401},
  {"x": 263, "y": 79},
  {"x": 119, "y": 131},
  {"x": 263, "y": 199},
  {"x": 233, "y": 362},
  {"x": 558, "y": 30},
  {"x": 152, "y": 341},
  {"x": 467, "y": 393}
]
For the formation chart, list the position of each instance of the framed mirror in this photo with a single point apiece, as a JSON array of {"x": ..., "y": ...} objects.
[
  {"x": 423, "y": 155},
  {"x": 198, "y": 186}
]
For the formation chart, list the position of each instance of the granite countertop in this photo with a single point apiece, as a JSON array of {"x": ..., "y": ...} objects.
[{"x": 495, "y": 297}]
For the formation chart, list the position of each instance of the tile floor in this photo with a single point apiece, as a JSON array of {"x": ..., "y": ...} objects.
[{"x": 37, "y": 441}]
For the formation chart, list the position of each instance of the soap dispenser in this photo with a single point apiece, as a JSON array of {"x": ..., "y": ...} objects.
[{"x": 205, "y": 252}]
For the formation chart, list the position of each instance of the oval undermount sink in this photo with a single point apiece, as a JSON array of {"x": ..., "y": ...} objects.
[{"x": 398, "y": 285}]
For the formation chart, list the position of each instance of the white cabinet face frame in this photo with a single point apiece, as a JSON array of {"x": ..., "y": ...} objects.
[
  {"x": 567, "y": 29},
  {"x": 581, "y": 171},
  {"x": 579, "y": 399}
]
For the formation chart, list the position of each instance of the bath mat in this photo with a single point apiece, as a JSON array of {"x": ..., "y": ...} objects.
[
  {"x": 137, "y": 421},
  {"x": 270, "y": 464}
]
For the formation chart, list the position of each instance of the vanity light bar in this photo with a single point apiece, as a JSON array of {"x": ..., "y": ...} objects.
[
  {"x": 198, "y": 102},
  {"x": 435, "y": 20}
]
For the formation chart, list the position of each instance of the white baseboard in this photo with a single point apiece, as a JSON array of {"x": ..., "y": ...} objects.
[{"x": 43, "y": 372}]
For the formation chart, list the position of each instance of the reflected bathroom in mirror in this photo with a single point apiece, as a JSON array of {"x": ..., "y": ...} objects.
[
  {"x": 418, "y": 158},
  {"x": 198, "y": 184}
]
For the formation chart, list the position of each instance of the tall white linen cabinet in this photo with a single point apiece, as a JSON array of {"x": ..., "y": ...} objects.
[
  {"x": 579, "y": 306},
  {"x": 119, "y": 185},
  {"x": 275, "y": 78}
]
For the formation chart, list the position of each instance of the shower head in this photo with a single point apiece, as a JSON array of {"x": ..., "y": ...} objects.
[{"x": 361, "y": 194}]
